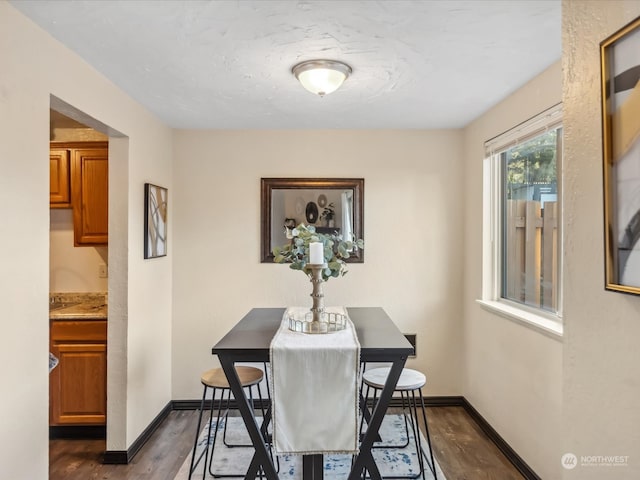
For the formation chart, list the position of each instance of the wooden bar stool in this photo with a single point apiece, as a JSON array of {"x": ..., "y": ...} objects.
[
  {"x": 410, "y": 382},
  {"x": 215, "y": 379}
]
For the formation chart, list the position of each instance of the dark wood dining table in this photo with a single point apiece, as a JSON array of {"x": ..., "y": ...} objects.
[{"x": 249, "y": 341}]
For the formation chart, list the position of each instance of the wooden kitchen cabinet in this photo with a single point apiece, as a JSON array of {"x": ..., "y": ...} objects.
[
  {"x": 59, "y": 178},
  {"x": 78, "y": 385},
  {"x": 87, "y": 175},
  {"x": 90, "y": 196}
]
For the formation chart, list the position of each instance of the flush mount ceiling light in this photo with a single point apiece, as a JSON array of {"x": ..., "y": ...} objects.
[{"x": 321, "y": 76}]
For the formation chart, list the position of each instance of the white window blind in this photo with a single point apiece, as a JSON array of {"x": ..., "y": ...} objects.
[{"x": 547, "y": 120}]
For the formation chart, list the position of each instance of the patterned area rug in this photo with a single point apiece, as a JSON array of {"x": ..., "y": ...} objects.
[{"x": 390, "y": 461}]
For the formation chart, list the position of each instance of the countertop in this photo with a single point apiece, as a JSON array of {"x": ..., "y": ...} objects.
[{"x": 78, "y": 306}]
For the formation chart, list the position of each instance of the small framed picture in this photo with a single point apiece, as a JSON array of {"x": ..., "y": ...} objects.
[
  {"x": 620, "y": 57},
  {"x": 155, "y": 221}
]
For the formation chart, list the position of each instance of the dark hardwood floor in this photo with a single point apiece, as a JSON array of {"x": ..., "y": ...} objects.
[{"x": 463, "y": 451}]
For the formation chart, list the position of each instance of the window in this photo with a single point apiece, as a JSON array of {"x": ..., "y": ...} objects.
[{"x": 522, "y": 205}]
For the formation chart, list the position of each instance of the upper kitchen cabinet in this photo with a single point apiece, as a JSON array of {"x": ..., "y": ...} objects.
[
  {"x": 90, "y": 196},
  {"x": 59, "y": 178},
  {"x": 88, "y": 175}
]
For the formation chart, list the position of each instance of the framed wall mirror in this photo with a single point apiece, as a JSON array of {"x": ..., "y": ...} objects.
[{"x": 329, "y": 204}]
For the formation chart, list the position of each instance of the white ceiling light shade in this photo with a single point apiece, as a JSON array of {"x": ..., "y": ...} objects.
[{"x": 321, "y": 76}]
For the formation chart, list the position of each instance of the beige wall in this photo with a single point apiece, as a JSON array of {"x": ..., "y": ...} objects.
[
  {"x": 34, "y": 66},
  {"x": 413, "y": 235},
  {"x": 513, "y": 372},
  {"x": 601, "y": 357},
  {"x": 73, "y": 269}
]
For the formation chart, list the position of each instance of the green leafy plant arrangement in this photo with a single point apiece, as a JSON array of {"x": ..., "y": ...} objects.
[{"x": 336, "y": 251}]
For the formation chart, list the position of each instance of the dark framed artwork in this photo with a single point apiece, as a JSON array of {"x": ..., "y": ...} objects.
[
  {"x": 331, "y": 205},
  {"x": 620, "y": 66},
  {"x": 155, "y": 221}
]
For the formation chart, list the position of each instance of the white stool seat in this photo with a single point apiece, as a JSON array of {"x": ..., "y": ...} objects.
[
  {"x": 409, "y": 384},
  {"x": 409, "y": 379}
]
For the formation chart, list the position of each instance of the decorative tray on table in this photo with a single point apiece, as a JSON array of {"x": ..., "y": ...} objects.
[{"x": 328, "y": 322}]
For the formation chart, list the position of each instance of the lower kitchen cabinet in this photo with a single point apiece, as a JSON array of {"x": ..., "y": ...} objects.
[{"x": 78, "y": 385}]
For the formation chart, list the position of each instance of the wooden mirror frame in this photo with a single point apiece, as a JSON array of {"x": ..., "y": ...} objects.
[{"x": 267, "y": 185}]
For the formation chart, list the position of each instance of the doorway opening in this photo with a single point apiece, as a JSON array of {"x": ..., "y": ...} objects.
[
  {"x": 78, "y": 275},
  {"x": 88, "y": 276}
]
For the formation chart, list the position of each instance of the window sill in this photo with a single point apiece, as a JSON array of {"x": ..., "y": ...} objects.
[{"x": 551, "y": 328}]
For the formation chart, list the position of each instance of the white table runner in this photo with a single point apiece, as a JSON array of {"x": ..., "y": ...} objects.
[{"x": 314, "y": 389}]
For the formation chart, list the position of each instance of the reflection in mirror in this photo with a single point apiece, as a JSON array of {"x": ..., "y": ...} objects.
[
  {"x": 331, "y": 205},
  {"x": 331, "y": 211}
]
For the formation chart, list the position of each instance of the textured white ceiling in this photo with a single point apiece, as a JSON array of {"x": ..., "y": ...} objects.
[{"x": 227, "y": 64}]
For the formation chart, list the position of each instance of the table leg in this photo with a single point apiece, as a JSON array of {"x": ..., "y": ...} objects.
[
  {"x": 364, "y": 460},
  {"x": 366, "y": 414},
  {"x": 261, "y": 456},
  {"x": 312, "y": 467}
]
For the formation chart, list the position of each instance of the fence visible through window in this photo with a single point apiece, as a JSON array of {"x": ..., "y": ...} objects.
[
  {"x": 530, "y": 221},
  {"x": 531, "y": 239}
]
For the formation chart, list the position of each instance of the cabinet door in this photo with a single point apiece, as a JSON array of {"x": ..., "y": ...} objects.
[
  {"x": 78, "y": 385},
  {"x": 90, "y": 196},
  {"x": 59, "y": 180}
]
